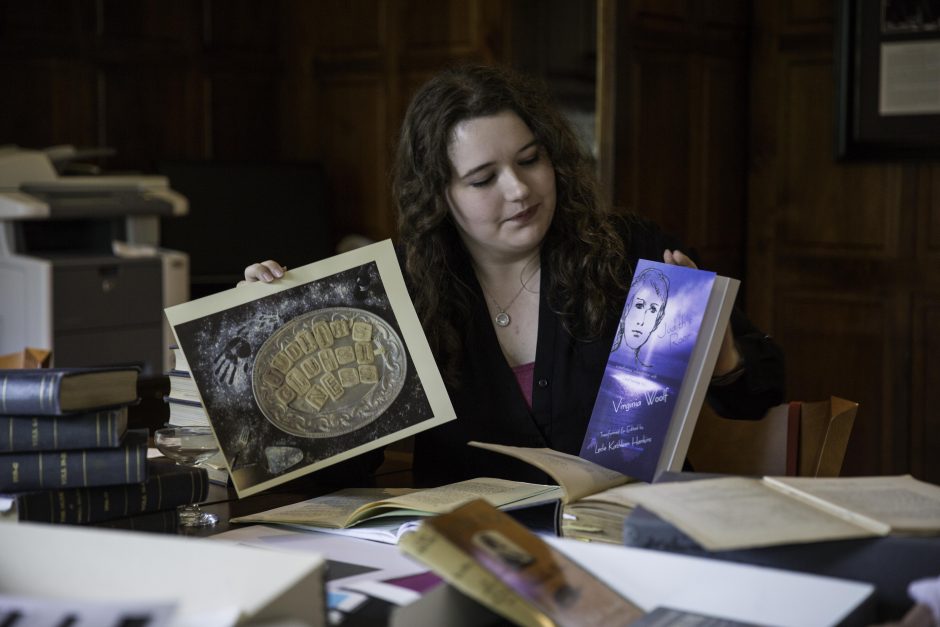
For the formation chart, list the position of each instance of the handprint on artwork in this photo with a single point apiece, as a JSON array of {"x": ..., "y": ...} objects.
[
  {"x": 234, "y": 355},
  {"x": 363, "y": 283}
]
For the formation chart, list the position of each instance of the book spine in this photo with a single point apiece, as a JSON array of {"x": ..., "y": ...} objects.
[
  {"x": 89, "y": 505},
  {"x": 49, "y": 433},
  {"x": 28, "y": 392},
  {"x": 73, "y": 469}
]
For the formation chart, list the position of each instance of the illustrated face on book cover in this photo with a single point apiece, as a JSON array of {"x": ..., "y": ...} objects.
[
  {"x": 646, "y": 306},
  {"x": 303, "y": 375}
]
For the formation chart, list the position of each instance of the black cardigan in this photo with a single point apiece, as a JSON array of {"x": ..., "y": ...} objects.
[{"x": 490, "y": 406}]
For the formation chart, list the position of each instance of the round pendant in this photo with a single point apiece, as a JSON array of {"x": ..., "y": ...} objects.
[{"x": 502, "y": 319}]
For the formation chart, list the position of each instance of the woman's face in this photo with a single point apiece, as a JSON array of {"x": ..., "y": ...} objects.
[
  {"x": 639, "y": 322},
  {"x": 502, "y": 188}
]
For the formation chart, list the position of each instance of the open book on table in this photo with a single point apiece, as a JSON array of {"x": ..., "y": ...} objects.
[
  {"x": 586, "y": 512},
  {"x": 737, "y": 512},
  {"x": 383, "y": 514}
]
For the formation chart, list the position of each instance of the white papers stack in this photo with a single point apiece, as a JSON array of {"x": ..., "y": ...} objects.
[{"x": 210, "y": 583}]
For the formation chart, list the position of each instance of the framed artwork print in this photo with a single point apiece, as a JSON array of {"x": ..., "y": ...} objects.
[
  {"x": 888, "y": 79},
  {"x": 325, "y": 364}
]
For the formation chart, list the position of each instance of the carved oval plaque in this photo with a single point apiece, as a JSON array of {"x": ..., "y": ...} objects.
[{"x": 329, "y": 372}]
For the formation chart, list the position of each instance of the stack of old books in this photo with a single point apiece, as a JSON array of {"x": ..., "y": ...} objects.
[
  {"x": 67, "y": 455},
  {"x": 187, "y": 410}
]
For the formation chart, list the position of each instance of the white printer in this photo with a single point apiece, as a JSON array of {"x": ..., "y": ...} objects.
[{"x": 81, "y": 269}]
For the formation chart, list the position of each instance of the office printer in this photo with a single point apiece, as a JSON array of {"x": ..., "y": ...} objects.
[{"x": 81, "y": 268}]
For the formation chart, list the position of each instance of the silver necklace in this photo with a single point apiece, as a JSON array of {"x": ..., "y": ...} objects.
[{"x": 502, "y": 317}]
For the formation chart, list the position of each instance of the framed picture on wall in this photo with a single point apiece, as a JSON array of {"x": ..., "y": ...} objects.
[{"x": 888, "y": 79}]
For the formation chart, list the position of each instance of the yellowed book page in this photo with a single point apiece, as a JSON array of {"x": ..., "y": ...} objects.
[
  {"x": 739, "y": 513},
  {"x": 583, "y": 518},
  {"x": 465, "y": 574},
  {"x": 349, "y": 506},
  {"x": 497, "y": 492},
  {"x": 618, "y": 496},
  {"x": 901, "y": 503},
  {"x": 334, "y": 510},
  {"x": 578, "y": 477}
]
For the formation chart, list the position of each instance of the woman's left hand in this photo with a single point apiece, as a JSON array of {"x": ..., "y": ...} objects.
[{"x": 729, "y": 359}]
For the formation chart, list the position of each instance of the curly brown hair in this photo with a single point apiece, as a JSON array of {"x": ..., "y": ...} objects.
[{"x": 588, "y": 268}]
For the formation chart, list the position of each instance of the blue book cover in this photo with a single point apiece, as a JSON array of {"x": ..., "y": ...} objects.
[{"x": 648, "y": 360}]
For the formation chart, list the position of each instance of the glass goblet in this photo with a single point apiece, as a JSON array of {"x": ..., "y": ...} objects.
[{"x": 189, "y": 446}]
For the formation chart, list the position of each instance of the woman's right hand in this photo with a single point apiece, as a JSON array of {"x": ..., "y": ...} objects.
[{"x": 266, "y": 271}]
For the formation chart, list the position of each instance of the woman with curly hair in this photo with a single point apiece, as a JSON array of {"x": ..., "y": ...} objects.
[{"x": 519, "y": 274}]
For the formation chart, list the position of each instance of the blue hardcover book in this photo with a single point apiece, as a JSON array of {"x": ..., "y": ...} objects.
[
  {"x": 660, "y": 364},
  {"x": 167, "y": 485},
  {"x": 56, "y": 391},
  {"x": 95, "y": 429},
  {"x": 85, "y": 468}
]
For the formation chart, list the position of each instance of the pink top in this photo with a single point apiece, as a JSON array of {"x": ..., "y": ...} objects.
[{"x": 524, "y": 374}]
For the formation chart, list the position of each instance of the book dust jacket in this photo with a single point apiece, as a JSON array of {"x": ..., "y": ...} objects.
[
  {"x": 648, "y": 360},
  {"x": 320, "y": 366}
]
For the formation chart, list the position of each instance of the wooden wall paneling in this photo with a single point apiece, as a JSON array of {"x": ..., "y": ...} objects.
[
  {"x": 678, "y": 138},
  {"x": 49, "y": 86},
  {"x": 348, "y": 28},
  {"x": 661, "y": 12},
  {"x": 243, "y": 77},
  {"x": 46, "y": 27},
  {"x": 605, "y": 97},
  {"x": 350, "y": 51},
  {"x": 151, "y": 94},
  {"x": 433, "y": 25},
  {"x": 152, "y": 112},
  {"x": 925, "y": 344},
  {"x": 762, "y": 181},
  {"x": 717, "y": 194},
  {"x": 150, "y": 26},
  {"x": 657, "y": 168},
  {"x": 806, "y": 14},
  {"x": 242, "y": 26},
  {"x": 826, "y": 204},
  {"x": 928, "y": 223},
  {"x": 734, "y": 13},
  {"x": 53, "y": 102},
  {"x": 925, "y": 419},
  {"x": 557, "y": 40},
  {"x": 354, "y": 153},
  {"x": 433, "y": 34},
  {"x": 839, "y": 253},
  {"x": 245, "y": 116},
  {"x": 837, "y": 344}
]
